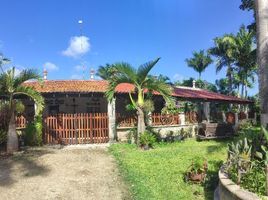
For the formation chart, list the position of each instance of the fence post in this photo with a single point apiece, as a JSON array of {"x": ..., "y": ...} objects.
[
  {"x": 112, "y": 120},
  {"x": 182, "y": 118}
]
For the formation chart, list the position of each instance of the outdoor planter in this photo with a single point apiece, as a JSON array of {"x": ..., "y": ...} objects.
[
  {"x": 196, "y": 177},
  {"x": 228, "y": 190},
  {"x": 197, "y": 171}
]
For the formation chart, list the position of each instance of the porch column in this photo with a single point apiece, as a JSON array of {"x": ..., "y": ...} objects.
[
  {"x": 150, "y": 118},
  {"x": 206, "y": 108},
  {"x": 236, "y": 119},
  {"x": 182, "y": 118},
  {"x": 112, "y": 120},
  {"x": 223, "y": 116}
]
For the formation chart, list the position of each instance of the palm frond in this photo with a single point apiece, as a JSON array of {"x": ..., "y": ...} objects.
[
  {"x": 113, "y": 83},
  {"x": 125, "y": 70},
  {"x": 30, "y": 92},
  {"x": 144, "y": 69},
  {"x": 164, "y": 89},
  {"x": 26, "y": 75}
]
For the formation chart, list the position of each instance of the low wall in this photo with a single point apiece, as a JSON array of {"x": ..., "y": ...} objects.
[
  {"x": 162, "y": 130},
  {"x": 228, "y": 190}
]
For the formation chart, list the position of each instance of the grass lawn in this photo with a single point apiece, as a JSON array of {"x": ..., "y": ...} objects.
[{"x": 159, "y": 173}]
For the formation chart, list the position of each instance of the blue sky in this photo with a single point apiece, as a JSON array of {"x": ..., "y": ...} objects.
[{"x": 38, "y": 34}]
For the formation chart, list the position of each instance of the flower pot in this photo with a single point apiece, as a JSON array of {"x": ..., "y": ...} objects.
[
  {"x": 146, "y": 147},
  {"x": 196, "y": 177}
]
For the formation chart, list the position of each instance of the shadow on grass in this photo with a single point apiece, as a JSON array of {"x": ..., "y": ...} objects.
[
  {"x": 22, "y": 165},
  {"x": 212, "y": 180}
]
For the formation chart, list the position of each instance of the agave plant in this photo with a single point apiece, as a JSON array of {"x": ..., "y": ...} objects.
[{"x": 239, "y": 154}]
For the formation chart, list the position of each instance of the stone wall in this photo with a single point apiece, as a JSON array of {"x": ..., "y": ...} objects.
[
  {"x": 228, "y": 190},
  {"x": 162, "y": 130}
]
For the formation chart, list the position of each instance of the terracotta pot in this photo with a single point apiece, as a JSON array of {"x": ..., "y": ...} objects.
[{"x": 196, "y": 177}]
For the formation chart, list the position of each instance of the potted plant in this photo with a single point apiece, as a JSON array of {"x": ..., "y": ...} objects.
[
  {"x": 147, "y": 140},
  {"x": 197, "y": 170}
]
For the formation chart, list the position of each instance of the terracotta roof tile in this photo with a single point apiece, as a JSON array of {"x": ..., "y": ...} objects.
[{"x": 100, "y": 86}]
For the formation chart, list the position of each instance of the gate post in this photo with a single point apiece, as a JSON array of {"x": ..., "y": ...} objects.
[{"x": 112, "y": 120}]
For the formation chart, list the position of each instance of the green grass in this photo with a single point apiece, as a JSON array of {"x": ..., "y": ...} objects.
[{"x": 159, "y": 173}]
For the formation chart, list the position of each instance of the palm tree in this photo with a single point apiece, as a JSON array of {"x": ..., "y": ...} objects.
[
  {"x": 223, "y": 50},
  {"x": 11, "y": 88},
  {"x": 199, "y": 62},
  {"x": 142, "y": 82},
  {"x": 106, "y": 72},
  {"x": 3, "y": 61},
  {"x": 262, "y": 56},
  {"x": 245, "y": 58}
]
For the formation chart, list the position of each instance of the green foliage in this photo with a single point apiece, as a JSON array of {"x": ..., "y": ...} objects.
[
  {"x": 33, "y": 132},
  {"x": 199, "y": 62},
  {"x": 254, "y": 179},
  {"x": 245, "y": 125},
  {"x": 147, "y": 139},
  {"x": 171, "y": 108},
  {"x": 239, "y": 155},
  {"x": 222, "y": 85},
  {"x": 198, "y": 165},
  {"x": 199, "y": 84}
]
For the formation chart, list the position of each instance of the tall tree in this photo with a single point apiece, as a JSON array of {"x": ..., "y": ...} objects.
[
  {"x": 142, "y": 83},
  {"x": 199, "y": 62},
  {"x": 245, "y": 58},
  {"x": 3, "y": 61},
  {"x": 249, "y": 5},
  {"x": 262, "y": 56},
  {"x": 11, "y": 88},
  {"x": 223, "y": 50}
]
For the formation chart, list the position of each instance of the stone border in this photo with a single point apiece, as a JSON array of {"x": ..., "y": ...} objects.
[{"x": 228, "y": 190}]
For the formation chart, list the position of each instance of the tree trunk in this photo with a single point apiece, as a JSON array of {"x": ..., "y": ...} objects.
[
  {"x": 242, "y": 90},
  {"x": 12, "y": 138},
  {"x": 262, "y": 56},
  {"x": 141, "y": 124},
  {"x": 229, "y": 74}
]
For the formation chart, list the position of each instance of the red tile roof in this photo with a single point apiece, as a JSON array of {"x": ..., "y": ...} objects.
[{"x": 85, "y": 86}]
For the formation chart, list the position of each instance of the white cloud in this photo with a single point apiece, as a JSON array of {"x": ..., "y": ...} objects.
[
  {"x": 51, "y": 66},
  {"x": 178, "y": 77},
  {"x": 76, "y": 77},
  {"x": 78, "y": 46}
]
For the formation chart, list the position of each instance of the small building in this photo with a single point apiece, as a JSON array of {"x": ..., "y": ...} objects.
[{"x": 76, "y": 111}]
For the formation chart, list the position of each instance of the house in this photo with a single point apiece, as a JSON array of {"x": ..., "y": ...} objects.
[{"x": 76, "y": 111}]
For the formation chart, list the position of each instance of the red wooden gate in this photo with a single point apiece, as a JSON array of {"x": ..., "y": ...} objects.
[{"x": 76, "y": 128}]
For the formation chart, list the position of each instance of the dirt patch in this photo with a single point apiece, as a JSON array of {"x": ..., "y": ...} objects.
[{"x": 47, "y": 173}]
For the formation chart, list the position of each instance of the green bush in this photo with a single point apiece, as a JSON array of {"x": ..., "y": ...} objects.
[
  {"x": 33, "y": 132},
  {"x": 147, "y": 139}
]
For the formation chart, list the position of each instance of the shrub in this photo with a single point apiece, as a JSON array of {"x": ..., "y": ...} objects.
[
  {"x": 147, "y": 139},
  {"x": 245, "y": 124},
  {"x": 33, "y": 132}
]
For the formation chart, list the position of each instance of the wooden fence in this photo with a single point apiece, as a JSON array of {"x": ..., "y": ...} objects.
[
  {"x": 168, "y": 119},
  {"x": 156, "y": 120},
  {"x": 126, "y": 120},
  {"x": 21, "y": 121},
  {"x": 76, "y": 128},
  {"x": 191, "y": 117}
]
